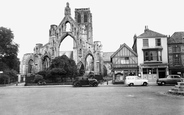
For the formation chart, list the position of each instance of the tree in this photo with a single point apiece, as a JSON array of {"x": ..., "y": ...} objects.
[
  {"x": 65, "y": 64},
  {"x": 8, "y": 50}
]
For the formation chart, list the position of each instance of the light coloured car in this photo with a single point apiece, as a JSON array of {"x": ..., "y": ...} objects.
[{"x": 135, "y": 80}]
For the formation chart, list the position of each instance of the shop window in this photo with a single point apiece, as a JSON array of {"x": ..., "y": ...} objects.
[
  {"x": 154, "y": 71},
  {"x": 149, "y": 71},
  {"x": 145, "y": 71}
]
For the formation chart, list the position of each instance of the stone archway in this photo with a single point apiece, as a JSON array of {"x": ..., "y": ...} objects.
[
  {"x": 30, "y": 66},
  {"x": 45, "y": 62},
  {"x": 74, "y": 51},
  {"x": 89, "y": 63},
  {"x": 80, "y": 68}
]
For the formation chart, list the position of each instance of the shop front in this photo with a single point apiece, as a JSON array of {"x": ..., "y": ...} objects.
[
  {"x": 153, "y": 72},
  {"x": 120, "y": 75}
]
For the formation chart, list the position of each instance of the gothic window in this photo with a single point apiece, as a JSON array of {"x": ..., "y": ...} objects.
[
  {"x": 80, "y": 51},
  {"x": 79, "y": 18},
  {"x": 68, "y": 27},
  {"x": 30, "y": 66},
  {"x": 85, "y": 17}
]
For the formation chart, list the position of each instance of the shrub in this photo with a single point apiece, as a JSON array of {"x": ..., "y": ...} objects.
[{"x": 38, "y": 78}]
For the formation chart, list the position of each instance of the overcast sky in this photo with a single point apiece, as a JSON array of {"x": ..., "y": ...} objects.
[{"x": 114, "y": 21}]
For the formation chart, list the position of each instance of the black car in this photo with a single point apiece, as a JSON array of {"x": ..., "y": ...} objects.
[
  {"x": 170, "y": 79},
  {"x": 84, "y": 81}
]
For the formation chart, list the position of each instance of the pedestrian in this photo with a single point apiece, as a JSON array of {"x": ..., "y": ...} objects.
[
  {"x": 17, "y": 83},
  {"x": 107, "y": 82}
]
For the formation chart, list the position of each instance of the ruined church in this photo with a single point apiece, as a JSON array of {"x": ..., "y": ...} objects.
[{"x": 81, "y": 30}]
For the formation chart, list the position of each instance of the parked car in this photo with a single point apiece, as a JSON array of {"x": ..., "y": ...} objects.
[
  {"x": 170, "y": 79},
  {"x": 85, "y": 81},
  {"x": 135, "y": 80}
]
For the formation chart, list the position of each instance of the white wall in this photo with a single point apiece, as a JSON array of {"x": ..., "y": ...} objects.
[{"x": 151, "y": 42}]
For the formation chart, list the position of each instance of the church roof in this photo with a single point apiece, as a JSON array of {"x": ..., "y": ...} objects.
[
  {"x": 177, "y": 37},
  {"x": 150, "y": 34}
]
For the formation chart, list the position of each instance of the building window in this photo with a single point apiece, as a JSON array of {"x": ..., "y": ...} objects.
[
  {"x": 176, "y": 59},
  {"x": 145, "y": 43},
  {"x": 149, "y": 71},
  {"x": 85, "y": 17},
  {"x": 152, "y": 55},
  {"x": 176, "y": 48},
  {"x": 79, "y": 18},
  {"x": 125, "y": 60},
  {"x": 158, "y": 42}
]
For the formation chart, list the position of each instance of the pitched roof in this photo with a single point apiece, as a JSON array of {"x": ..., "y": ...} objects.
[
  {"x": 177, "y": 37},
  {"x": 121, "y": 47},
  {"x": 107, "y": 55},
  {"x": 150, "y": 34}
]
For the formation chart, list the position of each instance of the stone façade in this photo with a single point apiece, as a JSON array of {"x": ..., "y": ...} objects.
[{"x": 80, "y": 30}]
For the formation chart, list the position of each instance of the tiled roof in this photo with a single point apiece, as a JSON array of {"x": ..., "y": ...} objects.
[
  {"x": 177, "y": 37},
  {"x": 150, "y": 34},
  {"x": 107, "y": 55}
]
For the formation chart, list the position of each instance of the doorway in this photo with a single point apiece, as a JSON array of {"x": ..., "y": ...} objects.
[{"x": 161, "y": 72}]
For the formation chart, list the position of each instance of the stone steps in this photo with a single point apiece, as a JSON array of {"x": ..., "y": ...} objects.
[{"x": 178, "y": 89}]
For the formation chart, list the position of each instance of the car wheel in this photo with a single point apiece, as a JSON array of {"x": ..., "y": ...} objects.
[
  {"x": 145, "y": 84},
  {"x": 95, "y": 84},
  {"x": 162, "y": 83},
  {"x": 77, "y": 85},
  {"x": 131, "y": 84}
]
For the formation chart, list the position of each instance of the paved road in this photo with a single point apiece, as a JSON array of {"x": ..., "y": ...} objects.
[{"x": 102, "y": 100}]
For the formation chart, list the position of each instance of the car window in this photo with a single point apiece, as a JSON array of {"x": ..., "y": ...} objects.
[
  {"x": 176, "y": 76},
  {"x": 169, "y": 76}
]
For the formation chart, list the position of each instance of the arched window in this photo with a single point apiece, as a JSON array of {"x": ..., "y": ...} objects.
[
  {"x": 80, "y": 51},
  {"x": 79, "y": 18},
  {"x": 30, "y": 66},
  {"x": 85, "y": 17},
  {"x": 68, "y": 27}
]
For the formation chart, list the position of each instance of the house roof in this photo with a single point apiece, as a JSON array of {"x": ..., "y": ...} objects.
[
  {"x": 107, "y": 55},
  {"x": 177, "y": 37},
  {"x": 150, "y": 34},
  {"x": 121, "y": 47}
]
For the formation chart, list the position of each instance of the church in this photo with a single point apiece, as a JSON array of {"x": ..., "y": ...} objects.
[{"x": 86, "y": 53}]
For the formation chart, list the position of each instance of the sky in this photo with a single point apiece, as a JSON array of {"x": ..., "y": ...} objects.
[{"x": 114, "y": 21}]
